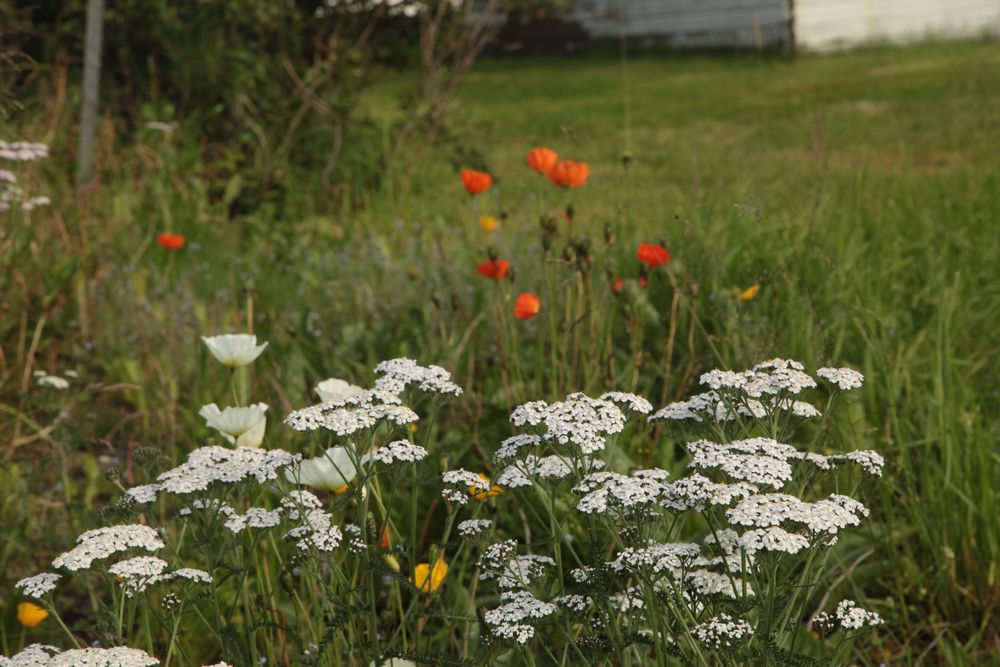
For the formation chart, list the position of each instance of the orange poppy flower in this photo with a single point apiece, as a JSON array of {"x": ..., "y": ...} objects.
[
  {"x": 643, "y": 283},
  {"x": 541, "y": 159},
  {"x": 476, "y": 181},
  {"x": 569, "y": 174},
  {"x": 617, "y": 286},
  {"x": 652, "y": 255},
  {"x": 526, "y": 306},
  {"x": 171, "y": 241},
  {"x": 494, "y": 268}
]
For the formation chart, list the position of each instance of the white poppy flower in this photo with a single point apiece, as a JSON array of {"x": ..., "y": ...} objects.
[
  {"x": 244, "y": 427},
  {"x": 234, "y": 350},
  {"x": 335, "y": 389},
  {"x": 330, "y": 472}
]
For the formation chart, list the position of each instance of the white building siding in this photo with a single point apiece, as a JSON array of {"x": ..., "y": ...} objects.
[
  {"x": 833, "y": 24},
  {"x": 687, "y": 23}
]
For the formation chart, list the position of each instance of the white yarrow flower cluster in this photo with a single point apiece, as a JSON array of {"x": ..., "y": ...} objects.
[
  {"x": 722, "y": 631},
  {"x": 399, "y": 451},
  {"x": 100, "y": 543},
  {"x": 848, "y": 616},
  {"x": 23, "y": 151},
  {"x": 605, "y": 490},
  {"x": 844, "y": 379},
  {"x": 136, "y": 574},
  {"x": 357, "y": 412},
  {"x": 474, "y": 527},
  {"x": 119, "y": 656},
  {"x": 39, "y": 585},
  {"x": 577, "y": 420},
  {"x": 398, "y": 374},
  {"x": 458, "y": 483},
  {"x": 828, "y": 516},
  {"x": 206, "y": 466},
  {"x": 512, "y": 620}
]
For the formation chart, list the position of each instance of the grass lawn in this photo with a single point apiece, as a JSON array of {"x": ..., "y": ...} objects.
[{"x": 861, "y": 191}]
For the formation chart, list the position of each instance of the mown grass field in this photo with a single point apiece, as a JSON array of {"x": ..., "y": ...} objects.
[{"x": 861, "y": 191}]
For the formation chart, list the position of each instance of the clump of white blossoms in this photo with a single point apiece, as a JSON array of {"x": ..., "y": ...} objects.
[
  {"x": 234, "y": 350},
  {"x": 723, "y": 631},
  {"x": 39, "y": 585},
  {"x": 847, "y": 616},
  {"x": 207, "y": 467},
  {"x": 399, "y": 451},
  {"x": 460, "y": 484},
  {"x": 101, "y": 543},
  {"x": 398, "y": 374},
  {"x": 741, "y": 577}
]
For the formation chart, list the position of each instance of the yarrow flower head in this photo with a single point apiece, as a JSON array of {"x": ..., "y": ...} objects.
[
  {"x": 399, "y": 451},
  {"x": 722, "y": 631},
  {"x": 101, "y": 543},
  {"x": 844, "y": 379},
  {"x": 473, "y": 527},
  {"x": 605, "y": 491},
  {"x": 577, "y": 420},
  {"x": 460, "y": 484},
  {"x": 207, "y": 466},
  {"x": 358, "y": 412},
  {"x": 136, "y": 574},
  {"x": 398, "y": 374},
  {"x": 848, "y": 616},
  {"x": 514, "y": 619},
  {"x": 39, "y": 585}
]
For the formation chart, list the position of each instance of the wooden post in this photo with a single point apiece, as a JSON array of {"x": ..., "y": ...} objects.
[{"x": 91, "y": 89}]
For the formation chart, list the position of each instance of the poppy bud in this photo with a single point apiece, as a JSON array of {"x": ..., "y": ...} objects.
[{"x": 617, "y": 286}]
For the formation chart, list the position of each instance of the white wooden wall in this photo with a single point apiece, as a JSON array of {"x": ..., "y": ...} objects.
[
  {"x": 687, "y": 23},
  {"x": 817, "y": 24},
  {"x": 834, "y": 24}
]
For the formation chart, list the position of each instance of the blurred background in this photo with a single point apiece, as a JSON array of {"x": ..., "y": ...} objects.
[{"x": 840, "y": 156}]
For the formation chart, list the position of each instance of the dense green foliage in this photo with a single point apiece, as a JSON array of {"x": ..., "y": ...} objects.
[{"x": 861, "y": 191}]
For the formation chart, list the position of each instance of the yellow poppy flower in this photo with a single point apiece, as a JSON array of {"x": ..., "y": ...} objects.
[
  {"x": 489, "y": 223},
  {"x": 749, "y": 292},
  {"x": 429, "y": 579},
  {"x": 30, "y": 614},
  {"x": 481, "y": 495}
]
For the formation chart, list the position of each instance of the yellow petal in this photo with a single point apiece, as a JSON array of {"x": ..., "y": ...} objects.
[
  {"x": 488, "y": 223},
  {"x": 749, "y": 292},
  {"x": 30, "y": 614},
  {"x": 429, "y": 584}
]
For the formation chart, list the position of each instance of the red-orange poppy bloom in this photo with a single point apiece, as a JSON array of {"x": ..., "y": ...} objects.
[
  {"x": 643, "y": 283},
  {"x": 171, "y": 241},
  {"x": 476, "y": 181},
  {"x": 494, "y": 268},
  {"x": 526, "y": 306},
  {"x": 617, "y": 286},
  {"x": 652, "y": 255},
  {"x": 569, "y": 174},
  {"x": 541, "y": 159}
]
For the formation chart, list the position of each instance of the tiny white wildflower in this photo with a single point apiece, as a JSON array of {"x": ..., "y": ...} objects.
[
  {"x": 399, "y": 451},
  {"x": 722, "y": 631},
  {"x": 474, "y": 527},
  {"x": 100, "y": 543},
  {"x": 39, "y": 585},
  {"x": 845, "y": 379}
]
